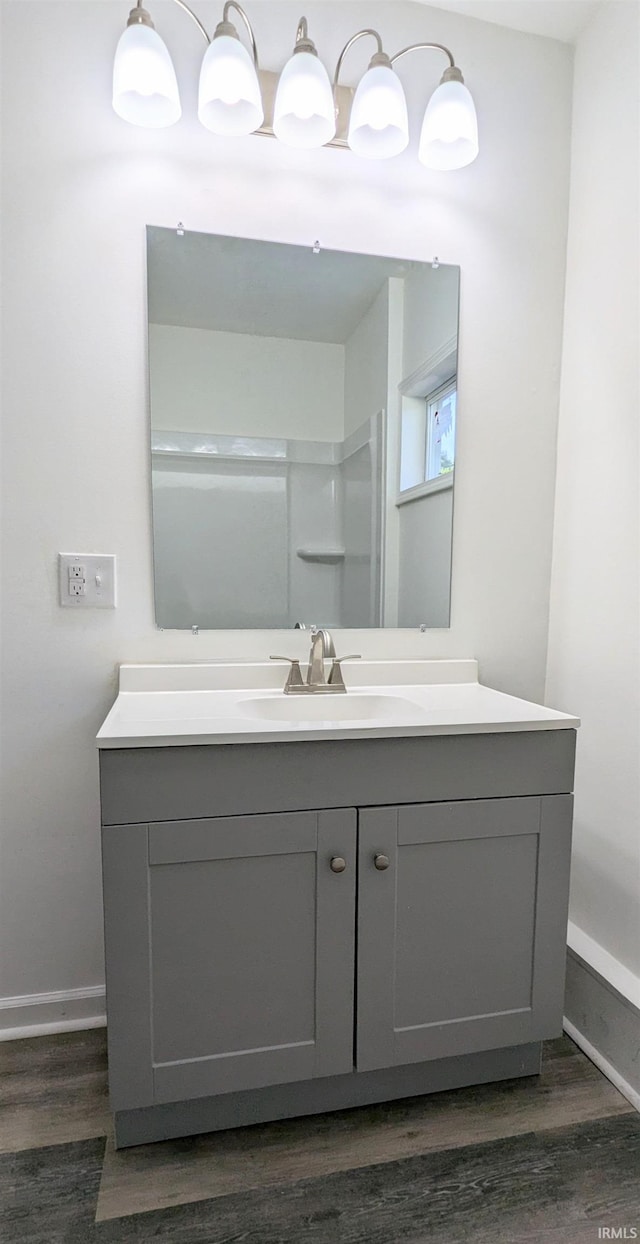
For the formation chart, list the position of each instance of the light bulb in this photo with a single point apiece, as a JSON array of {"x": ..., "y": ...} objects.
[
  {"x": 449, "y": 137},
  {"x": 379, "y": 125},
  {"x": 304, "y": 111},
  {"x": 229, "y": 100},
  {"x": 145, "y": 88}
]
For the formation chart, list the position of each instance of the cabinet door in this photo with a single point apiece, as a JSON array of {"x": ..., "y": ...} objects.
[
  {"x": 462, "y": 937},
  {"x": 231, "y": 962}
]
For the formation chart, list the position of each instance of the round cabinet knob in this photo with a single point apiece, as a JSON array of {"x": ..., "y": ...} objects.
[
  {"x": 338, "y": 865},
  {"x": 381, "y": 862}
]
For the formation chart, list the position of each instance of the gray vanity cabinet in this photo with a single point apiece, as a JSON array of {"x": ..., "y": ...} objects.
[
  {"x": 301, "y": 927},
  {"x": 462, "y": 909},
  {"x": 230, "y": 948}
]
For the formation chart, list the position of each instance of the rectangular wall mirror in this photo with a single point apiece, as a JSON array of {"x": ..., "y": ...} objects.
[{"x": 303, "y": 431}]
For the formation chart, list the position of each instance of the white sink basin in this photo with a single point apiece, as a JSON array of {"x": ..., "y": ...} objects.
[
  {"x": 243, "y": 702},
  {"x": 349, "y": 707}
]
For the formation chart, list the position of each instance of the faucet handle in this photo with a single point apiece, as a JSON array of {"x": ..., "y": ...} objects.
[
  {"x": 295, "y": 673},
  {"x": 335, "y": 678}
]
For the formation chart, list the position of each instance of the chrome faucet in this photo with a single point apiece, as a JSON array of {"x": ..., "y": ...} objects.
[{"x": 322, "y": 647}]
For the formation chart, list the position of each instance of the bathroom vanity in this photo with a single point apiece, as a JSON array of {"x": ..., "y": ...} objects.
[{"x": 320, "y": 902}]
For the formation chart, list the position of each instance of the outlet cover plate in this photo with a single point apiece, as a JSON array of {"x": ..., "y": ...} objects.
[{"x": 98, "y": 572}]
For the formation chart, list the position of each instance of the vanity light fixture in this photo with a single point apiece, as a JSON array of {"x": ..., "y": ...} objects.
[
  {"x": 449, "y": 136},
  {"x": 379, "y": 122},
  {"x": 300, "y": 107},
  {"x": 304, "y": 113},
  {"x": 145, "y": 87},
  {"x": 229, "y": 97}
]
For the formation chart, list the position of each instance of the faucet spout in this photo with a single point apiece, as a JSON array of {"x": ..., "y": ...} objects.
[{"x": 322, "y": 646}]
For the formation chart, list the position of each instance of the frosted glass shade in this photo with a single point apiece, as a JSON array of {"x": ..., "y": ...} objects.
[
  {"x": 449, "y": 137},
  {"x": 304, "y": 111},
  {"x": 379, "y": 125},
  {"x": 229, "y": 100},
  {"x": 145, "y": 88}
]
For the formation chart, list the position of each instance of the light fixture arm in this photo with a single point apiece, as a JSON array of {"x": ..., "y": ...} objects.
[
  {"x": 354, "y": 38},
  {"x": 181, "y": 4},
  {"x": 140, "y": 16},
  {"x": 231, "y": 4},
  {"x": 303, "y": 43},
  {"x": 417, "y": 47}
]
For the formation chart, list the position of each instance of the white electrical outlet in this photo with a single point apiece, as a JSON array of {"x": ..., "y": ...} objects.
[{"x": 87, "y": 580}]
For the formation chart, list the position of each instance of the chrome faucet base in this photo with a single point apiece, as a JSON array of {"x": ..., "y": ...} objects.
[
  {"x": 311, "y": 688},
  {"x": 316, "y": 683}
]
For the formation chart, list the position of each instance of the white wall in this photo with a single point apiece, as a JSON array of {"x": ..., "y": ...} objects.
[
  {"x": 80, "y": 187},
  {"x": 594, "y": 635},
  {"x": 395, "y": 355},
  {"x": 425, "y": 525},
  {"x": 365, "y": 364},
  {"x": 425, "y": 559},
  {"x": 238, "y": 384},
  {"x": 430, "y": 313},
  {"x": 366, "y": 382},
  {"x": 360, "y": 571}
]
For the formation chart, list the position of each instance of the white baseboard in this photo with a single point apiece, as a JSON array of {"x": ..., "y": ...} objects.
[
  {"x": 602, "y": 1064},
  {"x": 621, "y": 977},
  {"x": 38, "y": 1014}
]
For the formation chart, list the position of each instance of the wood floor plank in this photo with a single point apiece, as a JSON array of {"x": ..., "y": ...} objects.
[
  {"x": 572, "y": 1233},
  {"x": 527, "y": 1187},
  {"x": 53, "y": 1090},
  {"x": 48, "y": 1195},
  {"x": 569, "y": 1091},
  {"x": 539, "y": 1161}
]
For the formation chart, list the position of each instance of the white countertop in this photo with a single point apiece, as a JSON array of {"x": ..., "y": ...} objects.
[{"x": 232, "y": 702}]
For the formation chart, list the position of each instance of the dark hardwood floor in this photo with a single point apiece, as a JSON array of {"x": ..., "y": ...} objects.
[{"x": 553, "y": 1159}]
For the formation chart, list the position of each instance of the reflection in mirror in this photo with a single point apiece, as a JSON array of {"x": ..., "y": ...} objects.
[{"x": 303, "y": 430}]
